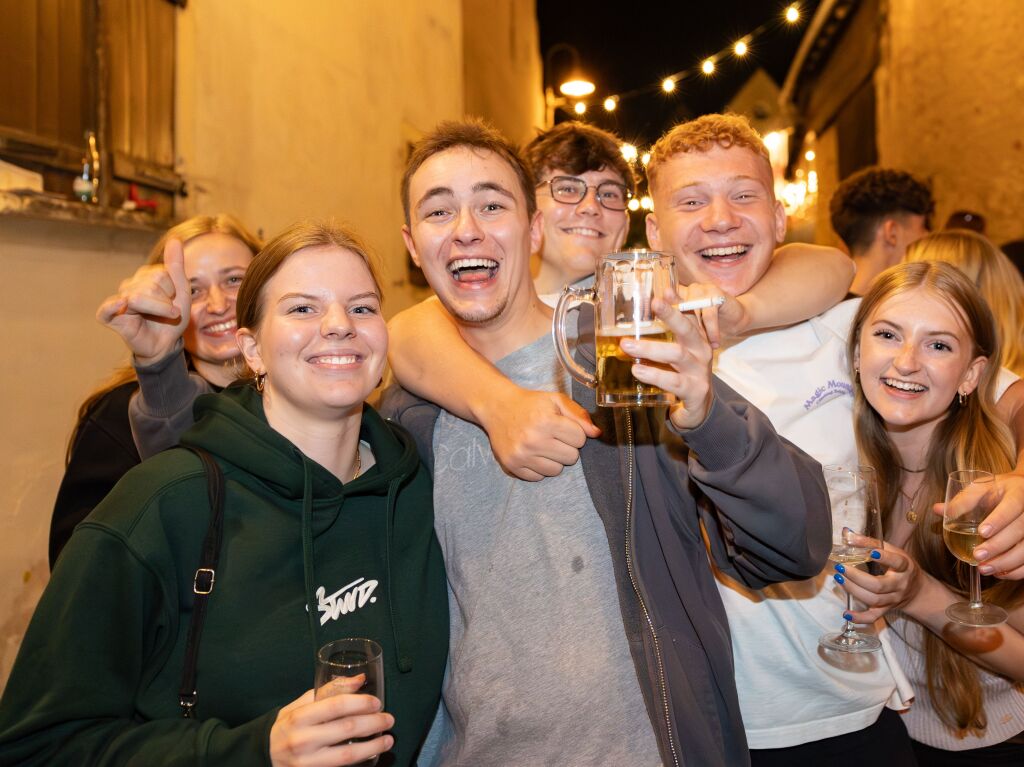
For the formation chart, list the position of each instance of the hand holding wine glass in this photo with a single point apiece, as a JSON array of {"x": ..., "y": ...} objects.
[
  {"x": 856, "y": 531},
  {"x": 970, "y": 496}
]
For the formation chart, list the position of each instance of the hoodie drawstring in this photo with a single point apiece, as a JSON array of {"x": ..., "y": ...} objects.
[
  {"x": 404, "y": 661},
  {"x": 307, "y": 550}
]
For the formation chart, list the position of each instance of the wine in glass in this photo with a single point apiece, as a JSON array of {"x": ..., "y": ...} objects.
[
  {"x": 970, "y": 497},
  {"x": 856, "y": 531}
]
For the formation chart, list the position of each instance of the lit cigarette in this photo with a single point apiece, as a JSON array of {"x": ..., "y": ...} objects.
[{"x": 700, "y": 303}]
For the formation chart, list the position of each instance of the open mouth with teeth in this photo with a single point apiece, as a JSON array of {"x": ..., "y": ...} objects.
[
  {"x": 220, "y": 328},
  {"x": 583, "y": 231},
  {"x": 725, "y": 255},
  {"x": 904, "y": 386},
  {"x": 335, "y": 360},
  {"x": 473, "y": 270}
]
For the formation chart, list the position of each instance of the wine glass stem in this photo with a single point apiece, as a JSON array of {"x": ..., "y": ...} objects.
[
  {"x": 848, "y": 629},
  {"x": 975, "y": 588}
]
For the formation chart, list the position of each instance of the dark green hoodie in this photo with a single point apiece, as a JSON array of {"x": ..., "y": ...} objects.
[{"x": 97, "y": 677}]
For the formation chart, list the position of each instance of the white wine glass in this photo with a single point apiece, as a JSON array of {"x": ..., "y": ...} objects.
[
  {"x": 971, "y": 495},
  {"x": 351, "y": 665},
  {"x": 856, "y": 531}
]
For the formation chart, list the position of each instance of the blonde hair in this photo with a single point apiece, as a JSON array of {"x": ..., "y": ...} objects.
[
  {"x": 971, "y": 435},
  {"x": 992, "y": 273},
  {"x": 702, "y": 134},
  {"x": 187, "y": 230}
]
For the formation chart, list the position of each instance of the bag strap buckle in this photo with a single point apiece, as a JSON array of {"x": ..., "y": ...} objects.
[{"x": 203, "y": 581}]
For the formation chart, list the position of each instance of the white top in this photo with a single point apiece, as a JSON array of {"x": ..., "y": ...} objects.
[
  {"x": 790, "y": 691},
  {"x": 1004, "y": 701}
]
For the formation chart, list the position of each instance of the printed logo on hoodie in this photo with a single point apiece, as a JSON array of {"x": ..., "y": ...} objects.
[{"x": 345, "y": 600}]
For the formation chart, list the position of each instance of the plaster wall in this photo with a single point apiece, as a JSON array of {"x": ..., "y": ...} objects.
[
  {"x": 502, "y": 66},
  {"x": 283, "y": 115},
  {"x": 56, "y": 274},
  {"x": 949, "y": 92}
]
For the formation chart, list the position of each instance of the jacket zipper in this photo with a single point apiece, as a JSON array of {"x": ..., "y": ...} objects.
[{"x": 636, "y": 586}]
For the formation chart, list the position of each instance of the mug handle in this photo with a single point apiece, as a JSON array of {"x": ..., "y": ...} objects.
[{"x": 571, "y": 298}]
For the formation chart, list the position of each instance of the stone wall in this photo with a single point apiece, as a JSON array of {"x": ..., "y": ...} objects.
[{"x": 949, "y": 92}]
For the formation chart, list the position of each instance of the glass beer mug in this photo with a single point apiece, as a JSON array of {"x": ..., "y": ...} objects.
[{"x": 626, "y": 283}]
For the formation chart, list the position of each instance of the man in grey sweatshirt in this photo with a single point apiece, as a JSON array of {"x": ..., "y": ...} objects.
[{"x": 586, "y": 625}]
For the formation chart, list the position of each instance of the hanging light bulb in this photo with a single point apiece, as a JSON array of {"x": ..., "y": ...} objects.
[
  {"x": 628, "y": 152},
  {"x": 633, "y": 204},
  {"x": 580, "y": 107},
  {"x": 610, "y": 103},
  {"x": 708, "y": 66},
  {"x": 793, "y": 14},
  {"x": 740, "y": 49},
  {"x": 668, "y": 85}
]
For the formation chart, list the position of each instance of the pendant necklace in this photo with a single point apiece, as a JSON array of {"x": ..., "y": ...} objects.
[{"x": 910, "y": 502}]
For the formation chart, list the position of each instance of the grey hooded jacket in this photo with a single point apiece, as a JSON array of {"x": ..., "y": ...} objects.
[{"x": 763, "y": 506}]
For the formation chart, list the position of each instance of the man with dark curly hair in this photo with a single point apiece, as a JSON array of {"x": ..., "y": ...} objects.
[{"x": 878, "y": 212}]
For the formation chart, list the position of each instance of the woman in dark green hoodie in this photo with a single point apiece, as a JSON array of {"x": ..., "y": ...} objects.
[{"x": 328, "y": 533}]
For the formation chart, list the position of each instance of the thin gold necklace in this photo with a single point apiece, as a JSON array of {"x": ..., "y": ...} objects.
[
  {"x": 910, "y": 502},
  {"x": 359, "y": 462}
]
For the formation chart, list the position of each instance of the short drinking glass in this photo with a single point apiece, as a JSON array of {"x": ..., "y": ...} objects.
[
  {"x": 350, "y": 666},
  {"x": 856, "y": 530},
  {"x": 970, "y": 497}
]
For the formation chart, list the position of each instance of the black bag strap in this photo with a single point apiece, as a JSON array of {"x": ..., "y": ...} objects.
[{"x": 202, "y": 583}]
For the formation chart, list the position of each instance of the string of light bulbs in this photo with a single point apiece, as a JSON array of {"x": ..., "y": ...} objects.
[{"x": 738, "y": 49}]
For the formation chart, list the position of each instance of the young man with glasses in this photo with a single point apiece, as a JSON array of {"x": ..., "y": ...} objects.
[{"x": 583, "y": 187}]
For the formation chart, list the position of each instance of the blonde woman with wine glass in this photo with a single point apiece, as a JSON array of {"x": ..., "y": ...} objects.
[{"x": 924, "y": 349}]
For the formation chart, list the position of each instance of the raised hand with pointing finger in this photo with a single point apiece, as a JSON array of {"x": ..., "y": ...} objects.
[{"x": 151, "y": 309}]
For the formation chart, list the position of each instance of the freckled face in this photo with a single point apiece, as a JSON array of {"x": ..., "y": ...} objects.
[
  {"x": 915, "y": 354},
  {"x": 716, "y": 213}
]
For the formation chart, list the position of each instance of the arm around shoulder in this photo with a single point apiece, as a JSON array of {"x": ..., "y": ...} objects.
[{"x": 802, "y": 282}]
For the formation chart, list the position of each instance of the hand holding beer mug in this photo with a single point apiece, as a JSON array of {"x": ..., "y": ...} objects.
[{"x": 648, "y": 353}]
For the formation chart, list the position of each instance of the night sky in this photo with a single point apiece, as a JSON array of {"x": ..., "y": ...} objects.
[{"x": 644, "y": 42}]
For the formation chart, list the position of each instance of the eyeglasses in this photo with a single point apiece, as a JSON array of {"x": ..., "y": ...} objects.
[{"x": 571, "y": 190}]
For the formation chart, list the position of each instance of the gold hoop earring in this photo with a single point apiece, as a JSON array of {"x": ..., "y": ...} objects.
[{"x": 261, "y": 381}]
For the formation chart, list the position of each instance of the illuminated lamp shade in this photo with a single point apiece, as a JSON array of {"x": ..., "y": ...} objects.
[
  {"x": 580, "y": 108},
  {"x": 633, "y": 204},
  {"x": 668, "y": 85},
  {"x": 577, "y": 88},
  {"x": 793, "y": 14},
  {"x": 610, "y": 104}
]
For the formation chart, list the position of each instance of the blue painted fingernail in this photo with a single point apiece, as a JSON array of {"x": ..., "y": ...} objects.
[
  {"x": 847, "y": 617},
  {"x": 876, "y": 554},
  {"x": 839, "y": 579},
  {"x": 840, "y": 569}
]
